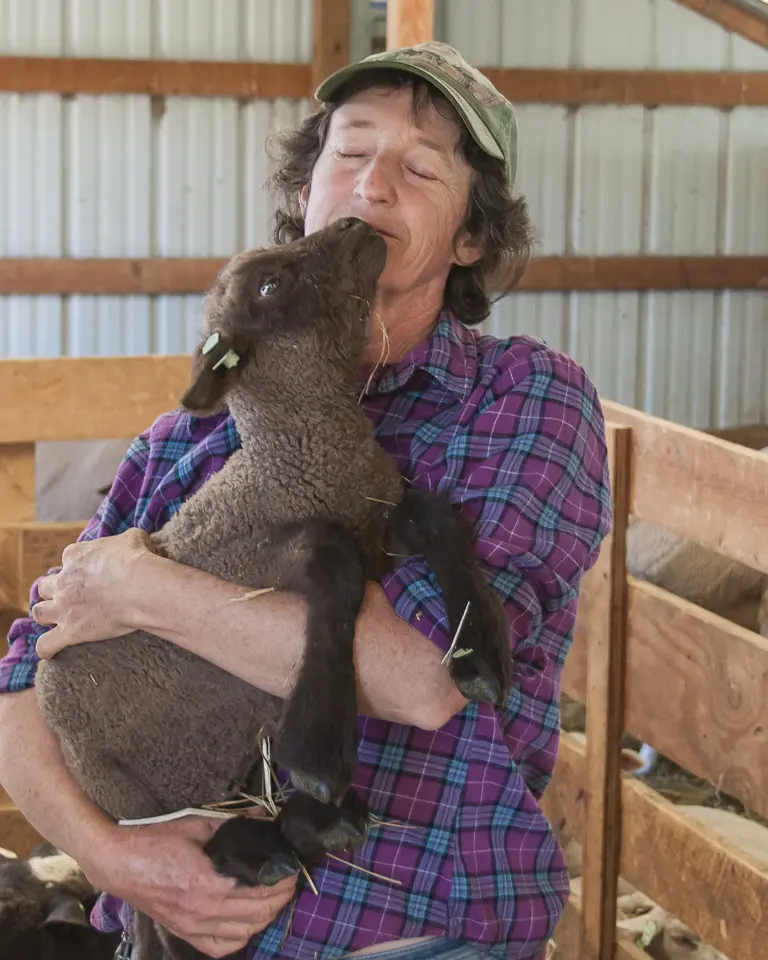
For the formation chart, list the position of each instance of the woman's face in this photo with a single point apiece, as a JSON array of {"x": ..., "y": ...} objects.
[{"x": 411, "y": 184}]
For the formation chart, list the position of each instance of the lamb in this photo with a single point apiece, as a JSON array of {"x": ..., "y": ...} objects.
[
  {"x": 44, "y": 905},
  {"x": 311, "y": 503}
]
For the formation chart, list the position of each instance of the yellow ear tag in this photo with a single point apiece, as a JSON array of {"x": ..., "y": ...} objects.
[
  {"x": 211, "y": 342},
  {"x": 230, "y": 359}
]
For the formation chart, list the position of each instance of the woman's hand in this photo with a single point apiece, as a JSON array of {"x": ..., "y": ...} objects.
[
  {"x": 90, "y": 597},
  {"x": 161, "y": 870}
]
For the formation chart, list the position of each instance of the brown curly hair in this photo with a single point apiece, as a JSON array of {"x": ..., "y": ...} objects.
[{"x": 495, "y": 220}]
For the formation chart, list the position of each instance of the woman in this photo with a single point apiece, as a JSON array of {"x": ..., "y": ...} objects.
[{"x": 419, "y": 144}]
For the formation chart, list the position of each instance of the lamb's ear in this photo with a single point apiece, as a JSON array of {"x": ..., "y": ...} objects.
[
  {"x": 66, "y": 910},
  {"x": 216, "y": 365}
]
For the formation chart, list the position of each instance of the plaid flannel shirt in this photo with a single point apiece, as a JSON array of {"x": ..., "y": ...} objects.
[{"x": 513, "y": 431}]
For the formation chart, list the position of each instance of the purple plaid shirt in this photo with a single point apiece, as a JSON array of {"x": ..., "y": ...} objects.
[{"x": 513, "y": 431}]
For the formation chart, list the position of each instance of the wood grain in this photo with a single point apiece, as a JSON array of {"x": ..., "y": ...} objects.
[
  {"x": 698, "y": 692},
  {"x": 713, "y": 887},
  {"x": 567, "y": 936},
  {"x": 331, "y": 25},
  {"x": 650, "y": 88},
  {"x": 565, "y": 800},
  {"x": 17, "y": 468},
  {"x": 733, "y": 16},
  {"x": 27, "y": 551},
  {"x": 16, "y": 833},
  {"x": 85, "y": 398},
  {"x": 606, "y": 665},
  {"x": 193, "y": 275},
  {"x": 410, "y": 22},
  {"x": 171, "y": 78},
  {"x": 698, "y": 486}
]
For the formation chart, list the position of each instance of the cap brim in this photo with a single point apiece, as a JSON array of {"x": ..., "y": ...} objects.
[{"x": 475, "y": 124}]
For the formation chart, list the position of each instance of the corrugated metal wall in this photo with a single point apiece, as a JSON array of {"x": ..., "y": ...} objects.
[
  {"x": 132, "y": 176},
  {"x": 628, "y": 180},
  {"x": 124, "y": 176}
]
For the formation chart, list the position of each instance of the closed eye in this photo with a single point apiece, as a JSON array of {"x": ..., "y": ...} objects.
[{"x": 421, "y": 174}]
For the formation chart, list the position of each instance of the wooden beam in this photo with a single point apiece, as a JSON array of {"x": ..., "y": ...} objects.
[
  {"x": 108, "y": 276},
  {"x": 410, "y": 22},
  {"x": 565, "y": 800},
  {"x": 331, "y": 25},
  {"x": 189, "y": 275},
  {"x": 714, "y": 888},
  {"x": 171, "y": 78},
  {"x": 698, "y": 692},
  {"x": 650, "y": 88},
  {"x": 606, "y": 664},
  {"x": 16, "y": 832},
  {"x": 748, "y": 23},
  {"x": 567, "y": 939},
  {"x": 27, "y": 551},
  {"x": 646, "y": 273},
  {"x": 86, "y": 398},
  {"x": 17, "y": 476},
  {"x": 699, "y": 486}
]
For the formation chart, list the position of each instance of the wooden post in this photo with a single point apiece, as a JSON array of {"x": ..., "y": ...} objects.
[
  {"x": 410, "y": 22},
  {"x": 606, "y": 667},
  {"x": 332, "y": 25}
]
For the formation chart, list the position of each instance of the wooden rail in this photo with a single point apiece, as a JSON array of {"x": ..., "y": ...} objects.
[
  {"x": 192, "y": 275},
  {"x": 248, "y": 81}
]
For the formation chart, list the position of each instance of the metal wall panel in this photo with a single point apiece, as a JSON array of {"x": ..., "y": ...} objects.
[
  {"x": 626, "y": 180},
  {"x": 133, "y": 176},
  {"x": 127, "y": 176}
]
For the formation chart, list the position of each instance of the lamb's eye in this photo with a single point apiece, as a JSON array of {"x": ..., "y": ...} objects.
[{"x": 269, "y": 286}]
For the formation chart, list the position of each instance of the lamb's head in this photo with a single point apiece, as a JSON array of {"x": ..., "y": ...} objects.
[
  {"x": 44, "y": 906},
  {"x": 288, "y": 316}
]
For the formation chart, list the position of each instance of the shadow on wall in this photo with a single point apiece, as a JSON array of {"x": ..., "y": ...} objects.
[{"x": 71, "y": 475}]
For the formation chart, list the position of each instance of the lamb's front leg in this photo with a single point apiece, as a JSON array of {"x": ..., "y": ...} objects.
[
  {"x": 317, "y": 739},
  {"x": 426, "y": 523}
]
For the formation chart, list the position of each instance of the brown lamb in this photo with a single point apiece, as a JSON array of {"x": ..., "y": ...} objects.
[{"x": 311, "y": 504}]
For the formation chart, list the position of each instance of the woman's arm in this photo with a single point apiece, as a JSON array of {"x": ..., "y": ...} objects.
[
  {"x": 160, "y": 869},
  {"x": 110, "y": 586}
]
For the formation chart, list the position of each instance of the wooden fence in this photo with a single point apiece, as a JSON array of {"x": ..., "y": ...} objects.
[{"x": 692, "y": 684}]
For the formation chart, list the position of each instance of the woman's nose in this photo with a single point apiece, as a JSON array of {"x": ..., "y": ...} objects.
[{"x": 375, "y": 182}]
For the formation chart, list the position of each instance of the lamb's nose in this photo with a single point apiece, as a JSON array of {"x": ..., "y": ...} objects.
[{"x": 346, "y": 223}]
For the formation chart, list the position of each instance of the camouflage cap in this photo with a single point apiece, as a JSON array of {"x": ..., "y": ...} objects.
[{"x": 489, "y": 116}]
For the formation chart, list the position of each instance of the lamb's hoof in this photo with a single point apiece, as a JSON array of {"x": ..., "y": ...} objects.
[
  {"x": 313, "y": 786},
  {"x": 474, "y": 679},
  {"x": 251, "y": 851},
  {"x": 312, "y": 828},
  {"x": 277, "y": 868}
]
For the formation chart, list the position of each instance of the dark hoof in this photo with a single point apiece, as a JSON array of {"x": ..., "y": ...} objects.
[
  {"x": 313, "y": 828},
  {"x": 251, "y": 851},
  {"x": 313, "y": 786},
  {"x": 477, "y": 689},
  {"x": 277, "y": 868},
  {"x": 474, "y": 680}
]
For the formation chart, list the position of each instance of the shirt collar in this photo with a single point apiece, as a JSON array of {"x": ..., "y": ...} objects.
[{"x": 448, "y": 354}]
